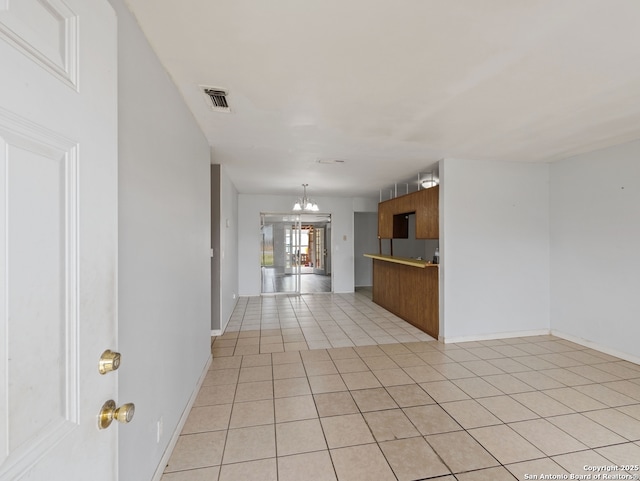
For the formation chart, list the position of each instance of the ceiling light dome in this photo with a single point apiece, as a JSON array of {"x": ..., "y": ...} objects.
[{"x": 431, "y": 181}]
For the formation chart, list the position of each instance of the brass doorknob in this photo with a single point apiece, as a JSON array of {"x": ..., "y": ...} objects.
[
  {"x": 109, "y": 413},
  {"x": 109, "y": 361}
]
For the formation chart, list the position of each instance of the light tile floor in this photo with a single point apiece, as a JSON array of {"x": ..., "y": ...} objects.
[
  {"x": 293, "y": 403},
  {"x": 315, "y": 321},
  {"x": 273, "y": 282}
]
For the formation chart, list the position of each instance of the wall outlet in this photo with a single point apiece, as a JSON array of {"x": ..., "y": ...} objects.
[
  {"x": 159, "y": 429},
  {"x": 233, "y": 296}
]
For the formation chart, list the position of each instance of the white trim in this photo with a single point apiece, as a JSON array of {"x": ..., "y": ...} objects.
[
  {"x": 598, "y": 347},
  {"x": 183, "y": 419},
  {"x": 224, "y": 328},
  {"x": 497, "y": 335}
]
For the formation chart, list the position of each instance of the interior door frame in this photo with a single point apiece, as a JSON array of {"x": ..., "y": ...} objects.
[
  {"x": 320, "y": 250},
  {"x": 295, "y": 269}
]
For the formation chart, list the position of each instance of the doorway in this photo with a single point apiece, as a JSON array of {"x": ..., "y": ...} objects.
[{"x": 295, "y": 253}]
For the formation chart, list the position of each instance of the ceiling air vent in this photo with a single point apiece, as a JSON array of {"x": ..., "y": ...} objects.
[{"x": 218, "y": 99}]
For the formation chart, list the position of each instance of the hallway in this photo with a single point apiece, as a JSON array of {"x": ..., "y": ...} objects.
[{"x": 284, "y": 400}]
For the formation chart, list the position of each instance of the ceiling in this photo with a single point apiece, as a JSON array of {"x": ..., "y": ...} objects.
[{"x": 392, "y": 86}]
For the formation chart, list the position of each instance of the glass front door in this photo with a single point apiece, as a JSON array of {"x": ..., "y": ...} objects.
[
  {"x": 294, "y": 253},
  {"x": 281, "y": 253}
]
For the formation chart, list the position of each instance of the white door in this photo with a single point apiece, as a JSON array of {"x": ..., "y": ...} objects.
[{"x": 58, "y": 245}]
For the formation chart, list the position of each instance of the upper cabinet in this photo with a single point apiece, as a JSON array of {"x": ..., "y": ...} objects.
[
  {"x": 392, "y": 222},
  {"x": 427, "y": 213},
  {"x": 385, "y": 221}
]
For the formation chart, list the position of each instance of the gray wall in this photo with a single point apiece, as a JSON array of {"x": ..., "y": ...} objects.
[
  {"x": 215, "y": 248},
  {"x": 538, "y": 247},
  {"x": 224, "y": 243},
  {"x": 494, "y": 249},
  {"x": 229, "y": 247},
  {"x": 365, "y": 238},
  {"x": 595, "y": 255},
  {"x": 164, "y": 264}
]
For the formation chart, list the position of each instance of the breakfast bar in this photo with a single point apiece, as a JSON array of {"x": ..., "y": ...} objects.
[
  {"x": 409, "y": 289},
  {"x": 405, "y": 284}
]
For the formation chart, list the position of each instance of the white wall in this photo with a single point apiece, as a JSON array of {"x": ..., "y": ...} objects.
[
  {"x": 494, "y": 248},
  {"x": 365, "y": 242},
  {"x": 365, "y": 204},
  {"x": 229, "y": 247},
  {"x": 249, "y": 209},
  {"x": 595, "y": 248},
  {"x": 164, "y": 264}
]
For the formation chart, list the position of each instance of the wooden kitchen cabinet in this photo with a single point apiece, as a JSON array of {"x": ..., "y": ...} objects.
[
  {"x": 427, "y": 214},
  {"x": 385, "y": 221},
  {"x": 424, "y": 203}
]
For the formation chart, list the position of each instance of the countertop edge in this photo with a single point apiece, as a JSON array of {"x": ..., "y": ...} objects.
[{"x": 401, "y": 260}]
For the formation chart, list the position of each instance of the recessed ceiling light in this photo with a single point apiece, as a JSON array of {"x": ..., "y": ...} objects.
[{"x": 330, "y": 161}]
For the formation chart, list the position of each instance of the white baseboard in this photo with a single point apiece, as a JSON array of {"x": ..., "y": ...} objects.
[
  {"x": 598, "y": 347},
  {"x": 497, "y": 335},
  {"x": 183, "y": 419},
  {"x": 223, "y": 328}
]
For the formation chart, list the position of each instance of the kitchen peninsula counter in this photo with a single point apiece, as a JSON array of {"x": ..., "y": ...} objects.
[
  {"x": 409, "y": 289},
  {"x": 408, "y": 261}
]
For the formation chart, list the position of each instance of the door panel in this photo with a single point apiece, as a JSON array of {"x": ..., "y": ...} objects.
[
  {"x": 47, "y": 32},
  {"x": 320, "y": 251},
  {"x": 280, "y": 266},
  {"x": 58, "y": 245},
  {"x": 40, "y": 278}
]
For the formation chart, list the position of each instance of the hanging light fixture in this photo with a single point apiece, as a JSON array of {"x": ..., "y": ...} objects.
[{"x": 305, "y": 204}]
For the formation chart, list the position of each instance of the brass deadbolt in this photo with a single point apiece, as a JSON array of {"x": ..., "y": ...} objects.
[
  {"x": 109, "y": 361},
  {"x": 109, "y": 413}
]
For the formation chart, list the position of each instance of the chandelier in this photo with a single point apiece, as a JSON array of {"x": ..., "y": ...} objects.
[{"x": 305, "y": 204}]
